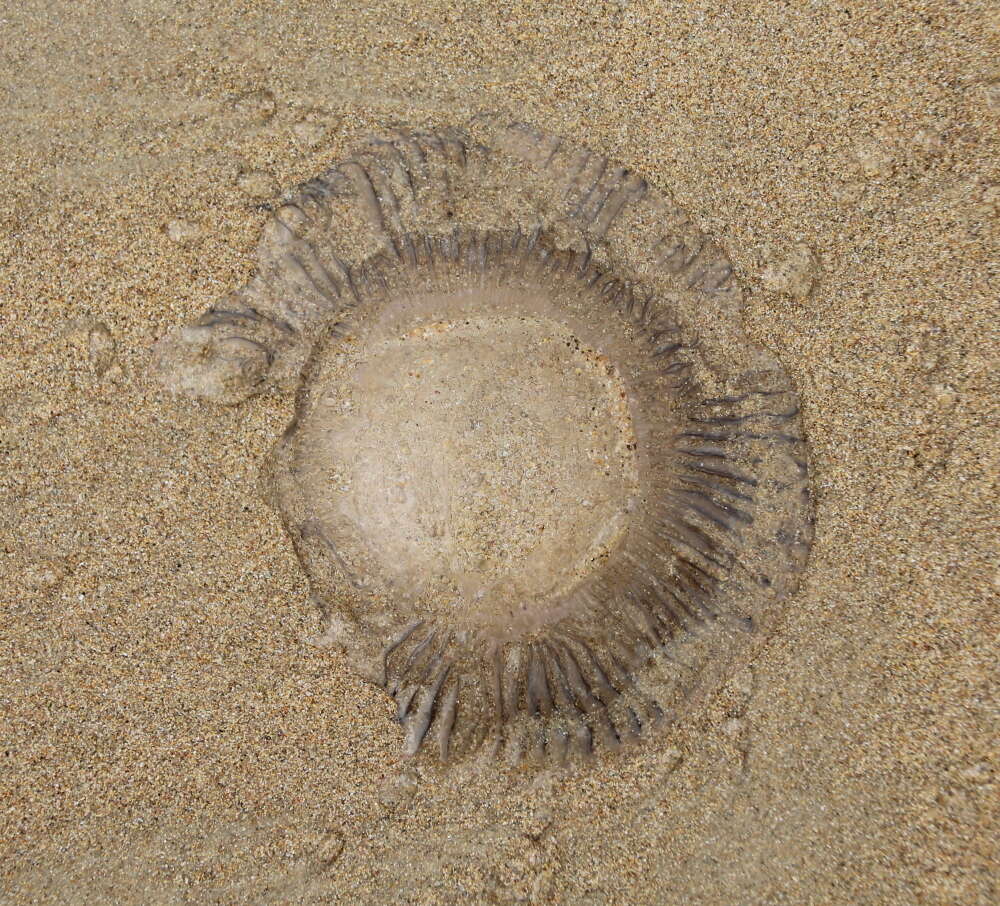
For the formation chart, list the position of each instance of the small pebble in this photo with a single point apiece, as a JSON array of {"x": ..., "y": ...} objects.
[
  {"x": 181, "y": 231},
  {"x": 944, "y": 396},
  {"x": 792, "y": 272},
  {"x": 43, "y": 575},
  {"x": 874, "y": 157}
]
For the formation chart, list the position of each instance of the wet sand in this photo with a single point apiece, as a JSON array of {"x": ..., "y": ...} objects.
[{"x": 170, "y": 733}]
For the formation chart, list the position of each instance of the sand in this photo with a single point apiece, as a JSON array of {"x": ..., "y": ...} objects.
[{"x": 170, "y": 734}]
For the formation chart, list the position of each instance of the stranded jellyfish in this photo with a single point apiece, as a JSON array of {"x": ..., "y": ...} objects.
[{"x": 544, "y": 489}]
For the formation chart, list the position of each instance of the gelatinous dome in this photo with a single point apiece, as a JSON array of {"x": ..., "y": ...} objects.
[{"x": 544, "y": 488}]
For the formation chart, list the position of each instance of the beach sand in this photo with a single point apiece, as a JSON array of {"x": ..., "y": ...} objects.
[{"x": 168, "y": 731}]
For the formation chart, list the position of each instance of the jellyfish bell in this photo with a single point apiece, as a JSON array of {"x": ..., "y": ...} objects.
[{"x": 544, "y": 488}]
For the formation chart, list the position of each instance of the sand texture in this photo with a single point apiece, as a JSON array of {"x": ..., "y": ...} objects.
[{"x": 175, "y": 726}]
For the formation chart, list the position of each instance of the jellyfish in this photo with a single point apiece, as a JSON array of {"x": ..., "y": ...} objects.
[{"x": 546, "y": 492}]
